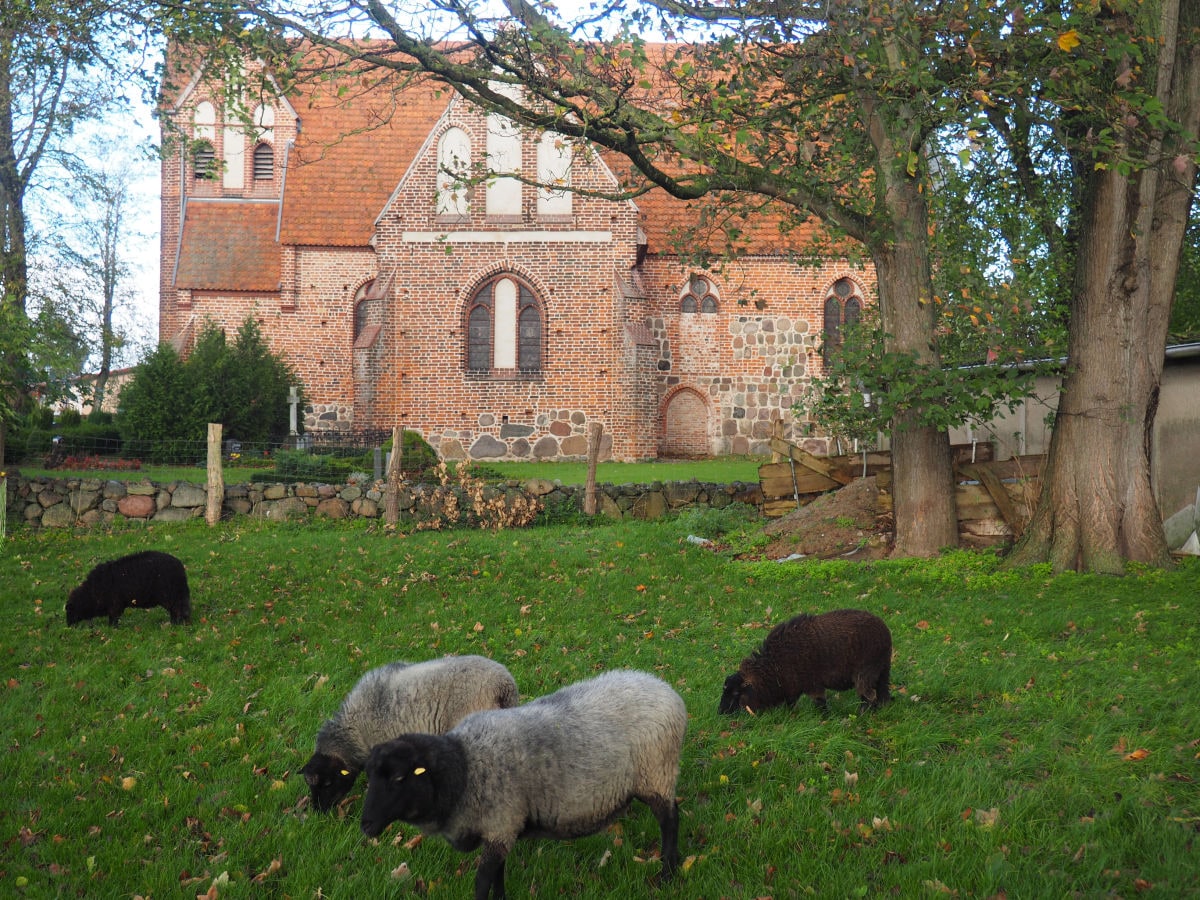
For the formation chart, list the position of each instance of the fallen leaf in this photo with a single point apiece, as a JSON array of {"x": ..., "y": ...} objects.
[
  {"x": 274, "y": 866},
  {"x": 987, "y": 818},
  {"x": 1068, "y": 40},
  {"x": 1137, "y": 754}
]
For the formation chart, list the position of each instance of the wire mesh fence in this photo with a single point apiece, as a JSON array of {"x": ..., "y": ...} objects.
[{"x": 326, "y": 456}]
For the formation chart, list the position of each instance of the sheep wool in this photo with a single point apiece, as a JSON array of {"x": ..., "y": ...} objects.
[
  {"x": 562, "y": 766},
  {"x": 838, "y": 650},
  {"x": 395, "y": 699},
  {"x": 141, "y": 580}
]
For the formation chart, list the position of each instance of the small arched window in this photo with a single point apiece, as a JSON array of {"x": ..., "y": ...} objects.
[
  {"x": 699, "y": 296},
  {"x": 505, "y": 328},
  {"x": 843, "y": 307},
  {"x": 264, "y": 162},
  {"x": 204, "y": 161}
]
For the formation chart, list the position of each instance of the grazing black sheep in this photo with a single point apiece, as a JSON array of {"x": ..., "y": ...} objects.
[
  {"x": 846, "y": 648},
  {"x": 562, "y": 766},
  {"x": 149, "y": 578}
]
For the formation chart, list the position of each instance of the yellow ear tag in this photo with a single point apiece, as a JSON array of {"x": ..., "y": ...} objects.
[
  {"x": 345, "y": 771},
  {"x": 419, "y": 770}
]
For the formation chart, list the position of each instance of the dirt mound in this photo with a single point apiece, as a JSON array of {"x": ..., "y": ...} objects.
[{"x": 842, "y": 523}]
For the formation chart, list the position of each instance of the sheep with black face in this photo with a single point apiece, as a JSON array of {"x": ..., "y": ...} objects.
[
  {"x": 562, "y": 766},
  {"x": 395, "y": 699},
  {"x": 833, "y": 651},
  {"x": 140, "y": 580}
]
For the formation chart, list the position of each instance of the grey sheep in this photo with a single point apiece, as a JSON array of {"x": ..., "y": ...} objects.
[
  {"x": 395, "y": 699},
  {"x": 141, "y": 580},
  {"x": 562, "y": 766},
  {"x": 846, "y": 648}
]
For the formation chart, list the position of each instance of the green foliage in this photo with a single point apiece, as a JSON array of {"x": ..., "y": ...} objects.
[
  {"x": 242, "y": 385},
  {"x": 417, "y": 457},
  {"x": 1185, "y": 314},
  {"x": 156, "y": 406},
  {"x": 89, "y": 438},
  {"x": 865, "y": 388},
  {"x": 300, "y": 465},
  {"x": 1034, "y": 715}
]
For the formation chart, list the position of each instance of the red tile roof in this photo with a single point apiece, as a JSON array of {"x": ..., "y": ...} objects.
[
  {"x": 350, "y": 155},
  {"x": 229, "y": 244}
]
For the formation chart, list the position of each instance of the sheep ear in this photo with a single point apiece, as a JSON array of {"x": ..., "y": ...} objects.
[{"x": 419, "y": 770}]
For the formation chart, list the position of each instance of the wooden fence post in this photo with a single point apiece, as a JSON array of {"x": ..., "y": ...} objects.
[
  {"x": 595, "y": 430},
  {"x": 391, "y": 490},
  {"x": 216, "y": 476}
]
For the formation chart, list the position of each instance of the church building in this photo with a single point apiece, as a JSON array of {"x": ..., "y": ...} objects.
[{"x": 498, "y": 320}]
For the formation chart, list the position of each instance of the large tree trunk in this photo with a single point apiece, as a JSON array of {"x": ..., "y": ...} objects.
[
  {"x": 1097, "y": 508},
  {"x": 922, "y": 466}
]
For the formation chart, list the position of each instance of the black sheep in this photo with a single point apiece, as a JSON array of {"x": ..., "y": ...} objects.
[
  {"x": 846, "y": 648},
  {"x": 149, "y": 578}
]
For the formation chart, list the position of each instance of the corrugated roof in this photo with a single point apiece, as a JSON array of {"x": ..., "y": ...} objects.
[{"x": 229, "y": 244}]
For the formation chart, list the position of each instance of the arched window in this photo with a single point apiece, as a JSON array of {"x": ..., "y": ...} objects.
[
  {"x": 264, "y": 162},
  {"x": 204, "y": 161},
  {"x": 843, "y": 307},
  {"x": 204, "y": 131},
  {"x": 699, "y": 296},
  {"x": 362, "y": 317},
  {"x": 505, "y": 328},
  {"x": 454, "y": 159}
]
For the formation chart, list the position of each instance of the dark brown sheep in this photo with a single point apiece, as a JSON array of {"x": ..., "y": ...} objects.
[
  {"x": 149, "y": 578},
  {"x": 835, "y": 651}
]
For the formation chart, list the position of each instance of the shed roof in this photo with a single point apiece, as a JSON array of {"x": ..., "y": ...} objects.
[{"x": 229, "y": 244}]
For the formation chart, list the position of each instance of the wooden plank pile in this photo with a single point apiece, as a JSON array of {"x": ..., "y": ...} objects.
[{"x": 994, "y": 498}]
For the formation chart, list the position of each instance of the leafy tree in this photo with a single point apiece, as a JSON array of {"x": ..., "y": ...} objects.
[
  {"x": 244, "y": 386},
  {"x": 60, "y": 64},
  {"x": 88, "y": 271},
  {"x": 1123, "y": 79},
  {"x": 156, "y": 406}
]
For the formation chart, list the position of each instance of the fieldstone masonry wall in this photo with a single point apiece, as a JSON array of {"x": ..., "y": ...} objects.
[{"x": 85, "y": 502}]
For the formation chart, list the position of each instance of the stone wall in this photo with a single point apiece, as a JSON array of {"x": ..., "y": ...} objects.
[{"x": 85, "y": 502}]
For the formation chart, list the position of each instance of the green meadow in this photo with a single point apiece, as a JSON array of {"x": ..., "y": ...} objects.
[{"x": 1044, "y": 740}]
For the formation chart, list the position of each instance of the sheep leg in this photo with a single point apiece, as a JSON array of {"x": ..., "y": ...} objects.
[
  {"x": 819, "y": 701},
  {"x": 873, "y": 690},
  {"x": 489, "y": 879},
  {"x": 883, "y": 693},
  {"x": 666, "y": 811}
]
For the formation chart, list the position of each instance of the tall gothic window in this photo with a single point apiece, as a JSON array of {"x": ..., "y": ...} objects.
[
  {"x": 505, "y": 328},
  {"x": 843, "y": 307}
]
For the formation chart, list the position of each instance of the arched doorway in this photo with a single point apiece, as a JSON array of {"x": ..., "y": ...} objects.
[{"x": 685, "y": 425}]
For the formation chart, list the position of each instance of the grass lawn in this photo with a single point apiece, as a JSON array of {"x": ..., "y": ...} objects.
[
  {"x": 1044, "y": 740},
  {"x": 719, "y": 470}
]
